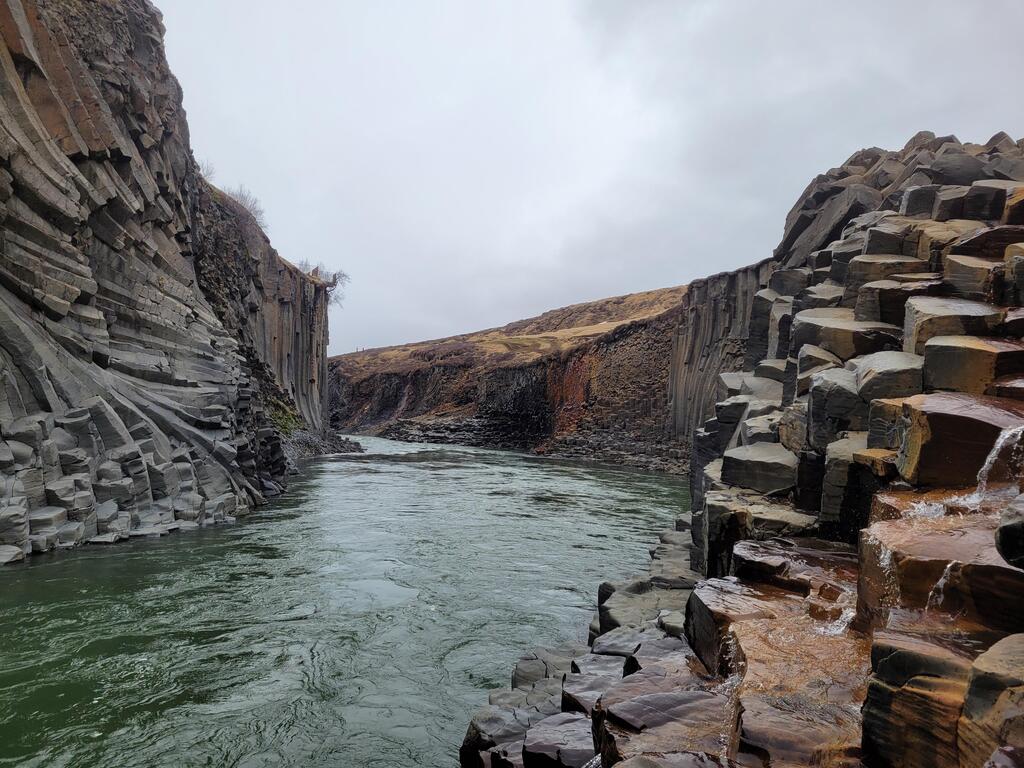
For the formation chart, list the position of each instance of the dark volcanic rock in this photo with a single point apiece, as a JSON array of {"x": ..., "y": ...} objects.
[
  {"x": 559, "y": 741},
  {"x": 153, "y": 344}
]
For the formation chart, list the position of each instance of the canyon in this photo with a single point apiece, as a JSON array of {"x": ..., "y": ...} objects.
[
  {"x": 847, "y": 587},
  {"x": 154, "y": 348}
]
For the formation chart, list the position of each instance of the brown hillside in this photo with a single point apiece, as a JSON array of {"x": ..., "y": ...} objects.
[{"x": 519, "y": 342}]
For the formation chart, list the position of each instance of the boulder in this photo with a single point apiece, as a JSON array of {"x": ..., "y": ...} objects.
[
  {"x": 970, "y": 363},
  {"x": 827, "y": 225},
  {"x": 581, "y": 692},
  {"x": 889, "y": 375},
  {"x": 492, "y": 726},
  {"x": 913, "y": 702},
  {"x": 868, "y": 268},
  {"x": 598, "y": 665},
  {"x": 919, "y": 201},
  {"x": 838, "y": 332},
  {"x": 883, "y": 423},
  {"x": 764, "y": 467},
  {"x": 986, "y": 199},
  {"x": 792, "y": 426},
  {"x": 929, "y": 316},
  {"x": 761, "y": 429},
  {"x": 949, "y": 203},
  {"x": 774, "y": 369},
  {"x": 993, "y": 711},
  {"x": 956, "y": 168},
  {"x": 559, "y": 741},
  {"x": 834, "y": 406},
  {"x": 822, "y": 295},
  {"x": 944, "y": 438},
  {"x": 975, "y": 277},
  {"x": 789, "y": 282},
  {"x": 846, "y": 490},
  {"x": 886, "y": 300},
  {"x": 666, "y": 707},
  {"x": 542, "y": 663}
]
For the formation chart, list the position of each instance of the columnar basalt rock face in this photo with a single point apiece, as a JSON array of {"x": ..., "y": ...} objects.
[
  {"x": 139, "y": 349},
  {"x": 585, "y": 381},
  {"x": 861, "y": 603}
]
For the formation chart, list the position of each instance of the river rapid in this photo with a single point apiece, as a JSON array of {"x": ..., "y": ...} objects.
[{"x": 357, "y": 622}]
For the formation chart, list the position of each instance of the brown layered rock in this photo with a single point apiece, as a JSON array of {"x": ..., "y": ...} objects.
[
  {"x": 993, "y": 710},
  {"x": 587, "y": 381}
]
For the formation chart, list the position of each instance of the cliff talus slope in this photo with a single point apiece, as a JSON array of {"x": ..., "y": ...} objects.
[
  {"x": 586, "y": 380},
  {"x": 147, "y": 329}
]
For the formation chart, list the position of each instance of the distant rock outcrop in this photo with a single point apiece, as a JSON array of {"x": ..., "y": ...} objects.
[
  {"x": 152, "y": 343},
  {"x": 587, "y": 380}
]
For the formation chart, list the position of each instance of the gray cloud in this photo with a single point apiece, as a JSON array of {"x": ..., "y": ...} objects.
[{"x": 473, "y": 163}]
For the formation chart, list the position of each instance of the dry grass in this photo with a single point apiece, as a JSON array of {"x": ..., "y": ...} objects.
[{"x": 517, "y": 343}]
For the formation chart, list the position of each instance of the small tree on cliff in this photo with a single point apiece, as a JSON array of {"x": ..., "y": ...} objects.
[
  {"x": 245, "y": 198},
  {"x": 335, "y": 280}
]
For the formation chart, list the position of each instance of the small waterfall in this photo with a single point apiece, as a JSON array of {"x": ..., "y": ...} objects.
[
  {"x": 938, "y": 592},
  {"x": 840, "y": 625},
  {"x": 890, "y": 583},
  {"x": 1010, "y": 459},
  {"x": 595, "y": 762}
]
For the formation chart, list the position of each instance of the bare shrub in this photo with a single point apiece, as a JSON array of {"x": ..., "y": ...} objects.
[
  {"x": 335, "y": 279},
  {"x": 207, "y": 169},
  {"x": 248, "y": 200}
]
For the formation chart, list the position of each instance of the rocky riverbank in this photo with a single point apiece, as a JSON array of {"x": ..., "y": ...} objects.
[
  {"x": 847, "y": 590},
  {"x": 153, "y": 345}
]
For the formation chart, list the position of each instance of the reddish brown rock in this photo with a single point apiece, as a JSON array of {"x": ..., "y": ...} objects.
[
  {"x": 944, "y": 438},
  {"x": 928, "y": 316},
  {"x": 970, "y": 363},
  {"x": 947, "y": 564},
  {"x": 993, "y": 711},
  {"x": 913, "y": 703}
]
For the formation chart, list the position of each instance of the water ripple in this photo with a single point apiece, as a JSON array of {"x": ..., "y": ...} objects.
[{"x": 357, "y": 622}]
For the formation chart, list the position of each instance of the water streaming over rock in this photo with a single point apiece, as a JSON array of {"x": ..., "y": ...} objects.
[
  {"x": 1001, "y": 470},
  {"x": 937, "y": 595},
  {"x": 357, "y": 622}
]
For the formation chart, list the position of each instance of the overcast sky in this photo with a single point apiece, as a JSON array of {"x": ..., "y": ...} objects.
[{"x": 470, "y": 163}]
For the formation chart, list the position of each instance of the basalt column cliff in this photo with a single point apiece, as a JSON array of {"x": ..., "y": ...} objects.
[
  {"x": 150, "y": 337},
  {"x": 848, "y": 589}
]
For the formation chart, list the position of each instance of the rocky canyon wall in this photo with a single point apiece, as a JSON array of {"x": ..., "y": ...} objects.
[
  {"x": 848, "y": 588},
  {"x": 586, "y": 381},
  {"x": 150, "y": 337}
]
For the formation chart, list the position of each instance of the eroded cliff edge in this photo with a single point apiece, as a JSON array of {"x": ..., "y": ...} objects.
[{"x": 151, "y": 340}]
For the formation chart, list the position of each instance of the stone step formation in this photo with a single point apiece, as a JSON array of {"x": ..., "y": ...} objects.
[
  {"x": 146, "y": 325},
  {"x": 848, "y": 589}
]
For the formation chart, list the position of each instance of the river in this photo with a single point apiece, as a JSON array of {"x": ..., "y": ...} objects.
[{"x": 355, "y": 623}]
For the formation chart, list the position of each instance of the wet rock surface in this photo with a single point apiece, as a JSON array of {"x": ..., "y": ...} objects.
[{"x": 854, "y": 594}]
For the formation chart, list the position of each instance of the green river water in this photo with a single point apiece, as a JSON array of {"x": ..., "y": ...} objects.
[{"x": 355, "y": 623}]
